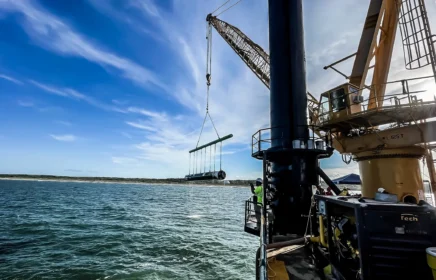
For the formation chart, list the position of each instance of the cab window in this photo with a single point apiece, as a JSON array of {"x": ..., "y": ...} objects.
[
  {"x": 338, "y": 99},
  {"x": 325, "y": 107}
]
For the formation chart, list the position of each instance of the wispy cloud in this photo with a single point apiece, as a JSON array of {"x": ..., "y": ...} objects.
[
  {"x": 64, "y": 138},
  {"x": 74, "y": 170},
  {"x": 39, "y": 107},
  {"x": 50, "y": 89},
  {"x": 148, "y": 113},
  {"x": 120, "y": 102},
  {"x": 337, "y": 172},
  {"x": 141, "y": 126},
  {"x": 25, "y": 103},
  {"x": 168, "y": 140},
  {"x": 127, "y": 135},
  {"x": 65, "y": 123},
  {"x": 10, "y": 79},
  {"x": 74, "y": 94},
  {"x": 147, "y": 6},
  {"x": 124, "y": 160},
  {"x": 52, "y": 33}
]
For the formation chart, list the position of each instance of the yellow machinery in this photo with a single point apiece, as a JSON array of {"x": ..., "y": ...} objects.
[
  {"x": 387, "y": 127},
  {"x": 386, "y": 133}
]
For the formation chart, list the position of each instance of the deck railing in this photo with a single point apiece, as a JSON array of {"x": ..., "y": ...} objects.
[
  {"x": 398, "y": 94},
  {"x": 262, "y": 140}
]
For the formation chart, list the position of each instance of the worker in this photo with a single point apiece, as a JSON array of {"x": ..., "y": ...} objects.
[{"x": 258, "y": 197}]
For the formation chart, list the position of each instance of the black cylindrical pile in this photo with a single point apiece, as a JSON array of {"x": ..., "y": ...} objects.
[{"x": 213, "y": 175}]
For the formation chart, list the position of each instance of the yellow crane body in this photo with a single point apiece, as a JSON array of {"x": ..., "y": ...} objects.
[{"x": 396, "y": 171}]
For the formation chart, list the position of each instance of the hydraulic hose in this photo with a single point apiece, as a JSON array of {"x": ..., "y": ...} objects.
[{"x": 279, "y": 245}]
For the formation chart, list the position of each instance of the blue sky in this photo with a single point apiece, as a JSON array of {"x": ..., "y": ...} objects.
[{"x": 117, "y": 88}]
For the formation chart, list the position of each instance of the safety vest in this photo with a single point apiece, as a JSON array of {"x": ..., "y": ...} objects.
[{"x": 259, "y": 193}]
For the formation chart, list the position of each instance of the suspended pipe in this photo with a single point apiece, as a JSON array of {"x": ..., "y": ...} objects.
[
  {"x": 278, "y": 245},
  {"x": 217, "y": 175}
]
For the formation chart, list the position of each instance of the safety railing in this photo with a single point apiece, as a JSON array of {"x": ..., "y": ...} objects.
[
  {"x": 398, "y": 94},
  {"x": 415, "y": 34},
  {"x": 262, "y": 140},
  {"x": 252, "y": 213}
]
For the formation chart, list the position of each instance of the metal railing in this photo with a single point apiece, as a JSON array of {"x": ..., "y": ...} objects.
[
  {"x": 400, "y": 94},
  {"x": 416, "y": 34},
  {"x": 250, "y": 212},
  {"x": 262, "y": 140}
]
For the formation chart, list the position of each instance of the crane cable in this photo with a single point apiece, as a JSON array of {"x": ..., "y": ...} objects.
[
  {"x": 209, "y": 71},
  {"x": 225, "y": 9},
  {"x": 228, "y": 8},
  {"x": 209, "y": 67},
  {"x": 208, "y": 79},
  {"x": 221, "y": 6}
]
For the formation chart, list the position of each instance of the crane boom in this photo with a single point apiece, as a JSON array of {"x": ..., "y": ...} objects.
[{"x": 251, "y": 53}]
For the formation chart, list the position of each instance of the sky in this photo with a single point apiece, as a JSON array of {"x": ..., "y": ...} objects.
[{"x": 117, "y": 87}]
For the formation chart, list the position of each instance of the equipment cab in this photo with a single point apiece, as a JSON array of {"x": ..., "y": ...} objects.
[{"x": 338, "y": 103}]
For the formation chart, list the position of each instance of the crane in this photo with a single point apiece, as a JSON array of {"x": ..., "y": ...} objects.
[{"x": 252, "y": 54}]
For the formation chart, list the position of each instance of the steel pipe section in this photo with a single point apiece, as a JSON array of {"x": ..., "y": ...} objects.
[{"x": 213, "y": 175}]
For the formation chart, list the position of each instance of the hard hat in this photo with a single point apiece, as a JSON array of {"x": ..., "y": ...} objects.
[{"x": 258, "y": 180}]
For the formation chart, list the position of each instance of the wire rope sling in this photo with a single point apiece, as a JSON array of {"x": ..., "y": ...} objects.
[{"x": 202, "y": 159}]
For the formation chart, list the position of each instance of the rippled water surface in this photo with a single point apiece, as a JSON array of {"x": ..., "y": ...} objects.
[{"x": 68, "y": 230}]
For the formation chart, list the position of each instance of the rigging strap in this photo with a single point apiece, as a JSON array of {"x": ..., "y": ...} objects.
[{"x": 204, "y": 121}]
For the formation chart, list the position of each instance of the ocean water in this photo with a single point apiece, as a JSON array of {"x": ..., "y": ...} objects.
[{"x": 69, "y": 230}]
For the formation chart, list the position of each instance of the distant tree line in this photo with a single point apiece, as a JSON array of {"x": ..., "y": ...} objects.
[{"x": 126, "y": 180}]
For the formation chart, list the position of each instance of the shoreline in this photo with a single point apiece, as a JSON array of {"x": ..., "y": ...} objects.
[
  {"x": 140, "y": 181},
  {"x": 137, "y": 181}
]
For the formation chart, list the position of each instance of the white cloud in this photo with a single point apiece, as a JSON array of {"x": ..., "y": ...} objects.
[
  {"x": 51, "y": 89},
  {"x": 64, "y": 138},
  {"x": 338, "y": 172},
  {"x": 38, "y": 107},
  {"x": 141, "y": 126},
  {"x": 73, "y": 94},
  {"x": 64, "y": 123},
  {"x": 52, "y": 33},
  {"x": 10, "y": 79},
  {"x": 146, "y": 6},
  {"x": 120, "y": 102},
  {"x": 127, "y": 135},
  {"x": 124, "y": 160},
  {"x": 147, "y": 113},
  {"x": 25, "y": 103}
]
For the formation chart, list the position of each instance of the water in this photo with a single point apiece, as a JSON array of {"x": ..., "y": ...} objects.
[{"x": 68, "y": 230}]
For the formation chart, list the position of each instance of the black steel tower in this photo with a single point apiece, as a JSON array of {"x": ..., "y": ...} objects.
[{"x": 293, "y": 154}]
